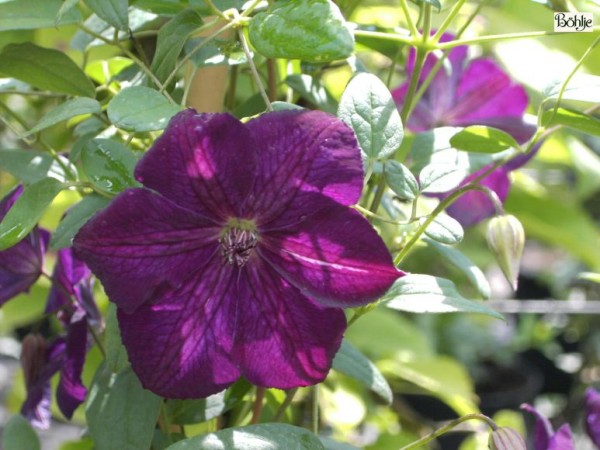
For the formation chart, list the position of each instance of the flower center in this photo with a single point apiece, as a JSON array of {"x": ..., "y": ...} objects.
[{"x": 237, "y": 242}]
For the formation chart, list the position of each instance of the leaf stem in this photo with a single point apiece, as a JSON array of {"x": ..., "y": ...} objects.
[
  {"x": 411, "y": 24},
  {"x": 289, "y": 397},
  {"x": 254, "y": 71},
  {"x": 448, "y": 20},
  {"x": 437, "y": 433},
  {"x": 315, "y": 409},
  {"x": 258, "y": 405}
]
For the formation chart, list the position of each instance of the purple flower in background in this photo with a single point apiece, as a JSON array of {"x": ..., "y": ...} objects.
[
  {"x": 239, "y": 252},
  {"x": 544, "y": 437},
  {"x": 592, "y": 415},
  {"x": 20, "y": 265},
  {"x": 72, "y": 300},
  {"x": 463, "y": 93}
]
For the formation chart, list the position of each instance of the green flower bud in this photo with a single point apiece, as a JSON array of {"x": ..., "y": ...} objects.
[
  {"x": 506, "y": 439},
  {"x": 506, "y": 238}
]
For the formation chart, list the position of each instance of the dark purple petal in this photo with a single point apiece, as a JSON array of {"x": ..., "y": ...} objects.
[
  {"x": 202, "y": 162},
  {"x": 304, "y": 156},
  {"x": 334, "y": 256},
  {"x": 143, "y": 245},
  {"x": 20, "y": 265},
  {"x": 71, "y": 391},
  {"x": 36, "y": 407},
  {"x": 543, "y": 431},
  {"x": 592, "y": 415},
  {"x": 283, "y": 339},
  {"x": 475, "y": 206},
  {"x": 179, "y": 344},
  {"x": 562, "y": 439},
  {"x": 485, "y": 92},
  {"x": 69, "y": 272}
]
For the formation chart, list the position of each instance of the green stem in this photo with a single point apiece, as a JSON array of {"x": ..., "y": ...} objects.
[
  {"x": 289, "y": 397},
  {"x": 394, "y": 37},
  {"x": 255, "y": 74},
  {"x": 315, "y": 409},
  {"x": 441, "y": 207},
  {"x": 437, "y": 433},
  {"x": 258, "y": 404},
  {"x": 411, "y": 24},
  {"x": 166, "y": 422},
  {"x": 448, "y": 20},
  {"x": 214, "y": 9}
]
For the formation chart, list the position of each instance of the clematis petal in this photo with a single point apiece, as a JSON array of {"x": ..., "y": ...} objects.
[
  {"x": 484, "y": 93},
  {"x": 562, "y": 439},
  {"x": 334, "y": 256},
  {"x": 475, "y": 206},
  {"x": 304, "y": 156},
  {"x": 20, "y": 265},
  {"x": 69, "y": 272},
  {"x": 283, "y": 339},
  {"x": 592, "y": 415},
  {"x": 143, "y": 244},
  {"x": 71, "y": 391},
  {"x": 202, "y": 162},
  {"x": 543, "y": 431},
  {"x": 179, "y": 344}
]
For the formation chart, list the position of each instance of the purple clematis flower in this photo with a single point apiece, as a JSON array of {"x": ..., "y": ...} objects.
[
  {"x": 463, "y": 93},
  {"x": 72, "y": 300},
  {"x": 239, "y": 252},
  {"x": 592, "y": 415},
  {"x": 20, "y": 265},
  {"x": 545, "y": 438}
]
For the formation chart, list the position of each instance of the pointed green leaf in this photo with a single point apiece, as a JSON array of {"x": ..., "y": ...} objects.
[
  {"x": 465, "y": 265},
  {"x": 183, "y": 412},
  {"x": 349, "y": 361},
  {"x": 439, "y": 178},
  {"x": 572, "y": 119},
  {"x": 32, "y": 14},
  {"x": 27, "y": 210},
  {"x": 269, "y": 436},
  {"x": 30, "y": 166},
  {"x": 18, "y": 434},
  {"x": 77, "y": 216},
  {"x": 482, "y": 139},
  {"x": 116, "y": 354},
  {"x": 140, "y": 108},
  {"x": 445, "y": 229},
  {"x": 171, "y": 39},
  {"x": 67, "y": 110},
  {"x": 45, "y": 68},
  {"x": 120, "y": 413},
  {"x": 428, "y": 294},
  {"x": 67, "y": 8},
  {"x": 310, "y": 30},
  {"x": 109, "y": 165},
  {"x": 401, "y": 180},
  {"x": 112, "y": 11},
  {"x": 368, "y": 107}
]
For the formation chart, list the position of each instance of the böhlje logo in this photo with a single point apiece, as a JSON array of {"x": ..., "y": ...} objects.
[{"x": 566, "y": 22}]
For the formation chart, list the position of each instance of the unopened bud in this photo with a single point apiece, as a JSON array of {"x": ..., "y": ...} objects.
[
  {"x": 33, "y": 357},
  {"x": 506, "y": 238},
  {"x": 506, "y": 439}
]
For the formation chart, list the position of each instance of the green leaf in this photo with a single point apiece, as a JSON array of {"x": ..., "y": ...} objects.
[
  {"x": 312, "y": 90},
  {"x": 427, "y": 294},
  {"x": 465, "y": 265},
  {"x": 120, "y": 413},
  {"x": 482, "y": 139},
  {"x": 269, "y": 436},
  {"x": 30, "y": 166},
  {"x": 109, "y": 165},
  {"x": 439, "y": 178},
  {"x": 45, "y": 68},
  {"x": 445, "y": 229},
  {"x": 67, "y": 8},
  {"x": 77, "y": 216},
  {"x": 215, "y": 52},
  {"x": 27, "y": 210},
  {"x": 115, "y": 12},
  {"x": 572, "y": 119},
  {"x": 104, "y": 70},
  {"x": 184, "y": 412},
  {"x": 171, "y": 39},
  {"x": 140, "y": 108},
  {"x": 18, "y": 434},
  {"x": 310, "y": 30},
  {"x": 67, "y": 110},
  {"x": 349, "y": 361},
  {"x": 32, "y": 14},
  {"x": 368, "y": 107},
  {"x": 401, "y": 180},
  {"x": 116, "y": 354}
]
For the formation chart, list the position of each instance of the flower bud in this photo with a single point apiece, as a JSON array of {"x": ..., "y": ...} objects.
[
  {"x": 33, "y": 357},
  {"x": 506, "y": 439},
  {"x": 506, "y": 238}
]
